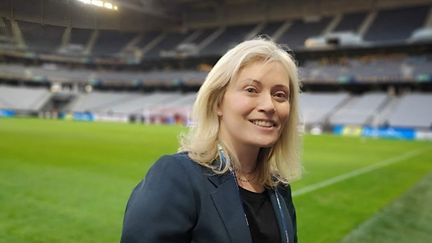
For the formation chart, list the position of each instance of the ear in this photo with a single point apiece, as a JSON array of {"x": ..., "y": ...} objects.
[
  {"x": 218, "y": 107},
  {"x": 218, "y": 110}
]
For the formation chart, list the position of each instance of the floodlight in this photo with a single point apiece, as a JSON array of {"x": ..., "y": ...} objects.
[
  {"x": 98, "y": 3},
  {"x": 108, "y": 5},
  {"x": 101, "y": 4}
]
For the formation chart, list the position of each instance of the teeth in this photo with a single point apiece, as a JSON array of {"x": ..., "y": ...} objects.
[{"x": 263, "y": 123}]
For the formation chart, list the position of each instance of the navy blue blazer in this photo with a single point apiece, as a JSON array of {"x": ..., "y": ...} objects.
[{"x": 181, "y": 201}]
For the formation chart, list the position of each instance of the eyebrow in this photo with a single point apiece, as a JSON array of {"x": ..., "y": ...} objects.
[{"x": 250, "y": 80}]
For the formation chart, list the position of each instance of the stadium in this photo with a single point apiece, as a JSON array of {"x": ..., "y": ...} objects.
[{"x": 93, "y": 92}]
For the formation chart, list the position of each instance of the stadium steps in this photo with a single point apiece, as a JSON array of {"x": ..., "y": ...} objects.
[
  {"x": 332, "y": 25},
  {"x": 278, "y": 34},
  {"x": 122, "y": 100},
  {"x": 336, "y": 108},
  {"x": 428, "y": 21},
  {"x": 364, "y": 27},
  {"x": 255, "y": 31},
  {"x": 25, "y": 99},
  {"x": 98, "y": 100},
  {"x": 192, "y": 37},
  {"x": 315, "y": 107},
  {"x": 132, "y": 43},
  {"x": 65, "y": 39},
  {"x": 207, "y": 41},
  {"x": 21, "y": 44},
  {"x": 153, "y": 43},
  {"x": 412, "y": 111},
  {"x": 41, "y": 101},
  {"x": 382, "y": 114},
  {"x": 90, "y": 44},
  {"x": 359, "y": 109}
]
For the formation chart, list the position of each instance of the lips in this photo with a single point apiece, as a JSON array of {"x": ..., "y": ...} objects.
[{"x": 263, "y": 123}]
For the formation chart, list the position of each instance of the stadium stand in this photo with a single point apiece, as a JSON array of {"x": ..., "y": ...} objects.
[
  {"x": 269, "y": 29},
  {"x": 317, "y": 107},
  {"x": 80, "y": 36},
  {"x": 96, "y": 101},
  {"x": 413, "y": 110},
  {"x": 300, "y": 30},
  {"x": 142, "y": 103},
  {"x": 228, "y": 38},
  {"x": 110, "y": 42},
  {"x": 7, "y": 40},
  {"x": 41, "y": 38},
  {"x": 201, "y": 35},
  {"x": 26, "y": 99},
  {"x": 369, "y": 69},
  {"x": 365, "y": 69},
  {"x": 397, "y": 24},
  {"x": 166, "y": 47},
  {"x": 359, "y": 110},
  {"x": 373, "y": 69},
  {"x": 350, "y": 22},
  {"x": 146, "y": 38}
]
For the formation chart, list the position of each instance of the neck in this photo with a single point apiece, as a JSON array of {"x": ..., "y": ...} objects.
[
  {"x": 246, "y": 172},
  {"x": 246, "y": 156}
]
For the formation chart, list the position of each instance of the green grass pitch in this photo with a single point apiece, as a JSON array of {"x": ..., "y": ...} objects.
[{"x": 64, "y": 181}]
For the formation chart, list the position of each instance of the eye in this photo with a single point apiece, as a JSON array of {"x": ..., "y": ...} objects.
[
  {"x": 251, "y": 89},
  {"x": 282, "y": 95}
]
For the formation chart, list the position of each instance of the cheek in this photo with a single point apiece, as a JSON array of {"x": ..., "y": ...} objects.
[
  {"x": 243, "y": 106},
  {"x": 284, "y": 113},
  {"x": 239, "y": 105}
]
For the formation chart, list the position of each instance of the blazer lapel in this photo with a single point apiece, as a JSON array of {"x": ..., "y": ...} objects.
[
  {"x": 286, "y": 215},
  {"x": 228, "y": 204}
]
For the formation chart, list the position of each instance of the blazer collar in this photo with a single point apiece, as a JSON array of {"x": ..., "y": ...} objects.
[
  {"x": 227, "y": 201},
  {"x": 286, "y": 215}
]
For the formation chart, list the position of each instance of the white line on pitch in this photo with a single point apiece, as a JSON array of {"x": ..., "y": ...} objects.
[{"x": 357, "y": 172}]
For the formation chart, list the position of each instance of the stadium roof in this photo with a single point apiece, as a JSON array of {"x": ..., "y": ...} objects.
[{"x": 155, "y": 14}]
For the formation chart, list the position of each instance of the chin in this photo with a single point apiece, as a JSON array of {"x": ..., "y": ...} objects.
[{"x": 266, "y": 144}]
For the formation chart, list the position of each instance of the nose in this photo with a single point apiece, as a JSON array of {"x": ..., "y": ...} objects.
[{"x": 266, "y": 104}]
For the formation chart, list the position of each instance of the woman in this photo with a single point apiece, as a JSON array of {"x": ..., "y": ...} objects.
[{"x": 229, "y": 183}]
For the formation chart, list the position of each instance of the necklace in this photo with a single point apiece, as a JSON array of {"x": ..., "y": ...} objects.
[{"x": 245, "y": 179}]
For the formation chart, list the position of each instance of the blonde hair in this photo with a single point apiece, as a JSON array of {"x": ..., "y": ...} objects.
[{"x": 278, "y": 164}]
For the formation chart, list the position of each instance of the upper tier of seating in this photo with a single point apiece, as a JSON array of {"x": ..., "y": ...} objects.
[
  {"x": 368, "y": 69},
  {"x": 227, "y": 39},
  {"x": 350, "y": 22},
  {"x": 300, "y": 30},
  {"x": 396, "y": 25},
  {"x": 110, "y": 42},
  {"x": 41, "y": 38},
  {"x": 389, "y": 25}
]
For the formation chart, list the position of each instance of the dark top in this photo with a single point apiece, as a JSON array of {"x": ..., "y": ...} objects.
[{"x": 261, "y": 216}]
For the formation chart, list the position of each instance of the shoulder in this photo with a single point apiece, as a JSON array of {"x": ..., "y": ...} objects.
[
  {"x": 174, "y": 164},
  {"x": 284, "y": 188},
  {"x": 168, "y": 172},
  {"x": 285, "y": 191}
]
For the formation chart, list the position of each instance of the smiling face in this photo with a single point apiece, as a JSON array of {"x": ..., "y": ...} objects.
[{"x": 255, "y": 107}]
